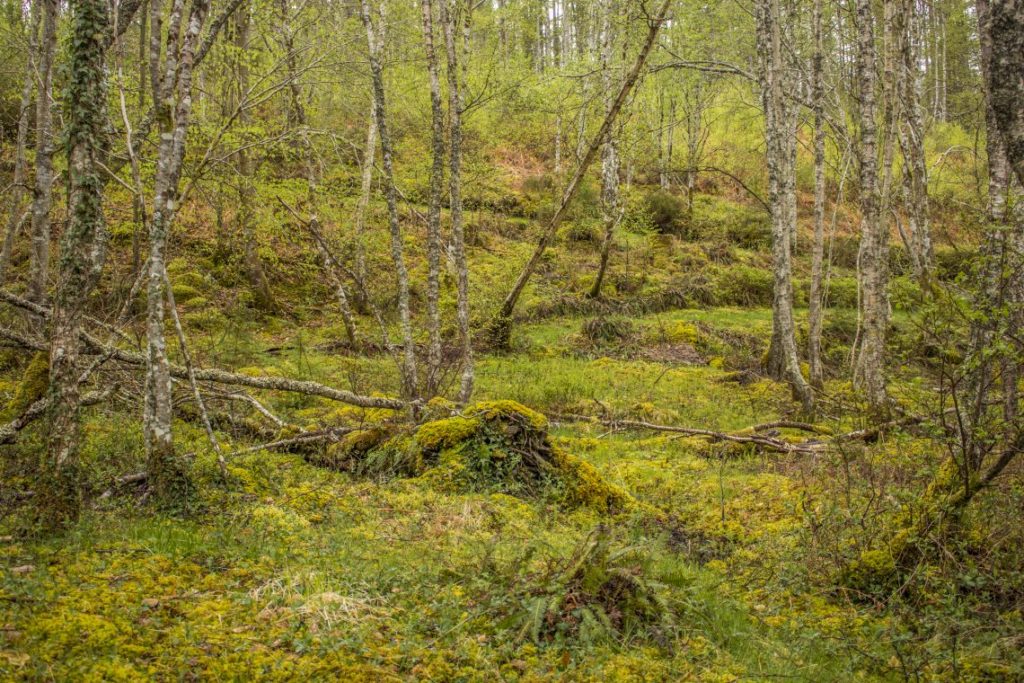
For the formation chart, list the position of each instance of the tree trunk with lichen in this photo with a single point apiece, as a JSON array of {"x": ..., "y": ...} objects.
[
  {"x": 449, "y": 20},
  {"x": 42, "y": 200},
  {"x": 816, "y": 299},
  {"x": 609, "y": 157},
  {"x": 59, "y": 487},
  {"x": 869, "y": 373},
  {"x": 1000, "y": 29},
  {"x": 910, "y": 131},
  {"x": 410, "y": 382},
  {"x": 780, "y": 152},
  {"x": 168, "y": 477},
  {"x": 433, "y": 370}
]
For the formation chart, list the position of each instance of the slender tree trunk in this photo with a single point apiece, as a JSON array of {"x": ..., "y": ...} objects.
[
  {"x": 366, "y": 185},
  {"x": 870, "y": 372},
  {"x": 39, "y": 266},
  {"x": 911, "y": 138},
  {"x": 662, "y": 163},
  {"x": 449, "y": 17},
  {"x": 670, "y": 135},
  {"x": 816, "y": 299},
  {"x": 1001, "y": 34},
  {"x": 694, "y": 143},
  {"x": 410, "y": 382},
  {"x": 433, "y": 370},
  {"x": 609, "y": 156},
  {"x": 167, "y": 475},
  {"x": 501, "y": 326},
  {"x": 1006, "y": 78},
  {"x": 780, "y": 146},
  {"x": 15, "y": 217},
  {"x": 59, "y": 488},
  {"x": 263, "y": 297}
]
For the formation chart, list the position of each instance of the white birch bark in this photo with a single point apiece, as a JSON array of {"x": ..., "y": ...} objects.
[
  {"x": 410, "y": 381},
  {"x": 456, "y": 103}
]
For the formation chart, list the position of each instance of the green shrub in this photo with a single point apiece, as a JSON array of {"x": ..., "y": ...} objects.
[
  {"x": 741, "y": 285},
  {"x": 665, "y": 211},
  {"x": 952, "y": 262},
  {"x": 842, "y": 292},
  {"x": 750, "y": 230}
]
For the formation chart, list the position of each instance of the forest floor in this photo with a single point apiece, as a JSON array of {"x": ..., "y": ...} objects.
[{"x": 293, "y": 571}]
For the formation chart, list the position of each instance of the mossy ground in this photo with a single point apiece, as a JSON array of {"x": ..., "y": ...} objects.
[{"x": 295, "y": 571}]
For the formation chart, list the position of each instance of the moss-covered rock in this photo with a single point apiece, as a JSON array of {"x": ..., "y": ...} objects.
[{"x": 493, "y": 446}]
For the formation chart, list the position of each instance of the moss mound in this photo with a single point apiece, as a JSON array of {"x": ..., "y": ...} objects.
[{"x": 493, "y": 447}]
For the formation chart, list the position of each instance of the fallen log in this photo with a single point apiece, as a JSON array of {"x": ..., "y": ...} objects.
[{"x": 307, "y": 387}]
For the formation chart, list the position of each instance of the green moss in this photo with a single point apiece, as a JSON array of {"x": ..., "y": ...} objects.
[
  {"x": 184, "y": 293},
  {"x": 32, "y": 387},
  {"x": 357, "y": 443},
  {"x": 872, "y": 572},
  {"x": 441, "y": 434},
  {"x": 505, "y": 410},
  {"x": 584, "y": 485}
]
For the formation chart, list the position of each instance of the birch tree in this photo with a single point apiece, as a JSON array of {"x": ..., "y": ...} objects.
[
  {"x": 172, "y": 95},
  {"x": 911, "y": 131},
  {"x": 410, "y": 381},
  {"x": 434, "y": 208},
  {"x": 457, "y": 72},
  {"x": 816, "y": 297},
  {"x": 869, "y": 372},
  {"x": 609, "y": 155},
  {"x": 780, "y": 112},
  {"x": 15, "y": 219},
  {"x": 42, "y": 197}
]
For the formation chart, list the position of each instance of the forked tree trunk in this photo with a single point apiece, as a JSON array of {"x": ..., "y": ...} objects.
[
  {"x": 167, "y": 475},
  {"x": 59, "y": 487},
  {"x": 456, "y": 104},
  {"x": 410, "y": 382},
  {"x": 501, "y": 325},
  {"x": 911, "y": 138}
]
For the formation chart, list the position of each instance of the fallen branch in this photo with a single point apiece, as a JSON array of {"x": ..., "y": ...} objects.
[
  {"x": 789, "y": 424},
  {"x": 44, "y": 312},
  {"x": 298, "y": 386},
  {"x": 331, "y": 434},
  {"x": 9, "y": 431},
  {"x": 766, "y": 442},
  {"x": 306, "y": 437}
]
